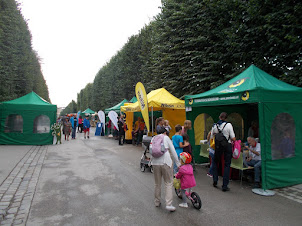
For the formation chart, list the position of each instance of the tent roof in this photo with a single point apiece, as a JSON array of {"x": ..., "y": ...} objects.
[
  {"x": 88, "y": 111},
  {"x": 117, "y": 107},
  {"x": 158, "y": 99},
  {"x": 133, "y": 100},
  {"x": 252, "y": 85},
  {"x": 30, "y": 101}
]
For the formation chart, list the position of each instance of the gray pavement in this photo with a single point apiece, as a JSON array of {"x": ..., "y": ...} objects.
[{"x": 97, "y": 182}]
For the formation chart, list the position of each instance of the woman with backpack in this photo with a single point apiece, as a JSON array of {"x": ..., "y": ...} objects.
[{"x": 162, "y": 167}]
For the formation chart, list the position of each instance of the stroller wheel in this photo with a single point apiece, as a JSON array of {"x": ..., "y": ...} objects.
[
  {"x": 178, "y": 193},
  {"x": 151, "y": 169},
  {"x": 143, "y": 167}
]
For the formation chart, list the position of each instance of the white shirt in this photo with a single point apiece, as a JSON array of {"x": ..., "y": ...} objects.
[
  {"x": 257, "y": 149},
  {"x": 228, "y": 131},
  {"x": 166, "y": 158}
]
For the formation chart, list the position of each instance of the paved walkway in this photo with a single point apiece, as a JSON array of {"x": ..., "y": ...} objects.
[
  {"x": 22, "y": 198},
  {"x": 17, "y": 191}
]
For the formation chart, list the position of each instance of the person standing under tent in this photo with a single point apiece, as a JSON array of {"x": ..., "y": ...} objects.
[
  {"x": 159, "y": 124},
  {"x": 140, "y": 132},
  {"x": 121, "y": 131},
  {"x": 135, "y": 131},
  {"x": 187, "y": 126},
  {"x": 167, "y": 126}
]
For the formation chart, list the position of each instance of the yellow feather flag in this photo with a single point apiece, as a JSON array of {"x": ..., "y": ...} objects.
[{"x": 143, "y": 102}]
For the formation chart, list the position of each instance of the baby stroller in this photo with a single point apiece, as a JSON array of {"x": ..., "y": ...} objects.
[{"x": 145, "y": 159}]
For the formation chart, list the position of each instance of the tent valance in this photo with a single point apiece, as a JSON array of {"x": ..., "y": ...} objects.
[{"x": 251, "y": 86}]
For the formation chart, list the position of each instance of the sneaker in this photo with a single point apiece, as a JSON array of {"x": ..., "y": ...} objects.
[
  {"x": 157, "y": 204},
  {"x": 215, "y": 184},
  {"x": 185, "y": 205},
  {"x": 225, "y": 189},
  {"x": 170, "y": 208},
  {"x": 209, "y": 175}
]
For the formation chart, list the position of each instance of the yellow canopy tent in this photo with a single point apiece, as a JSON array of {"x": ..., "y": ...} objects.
[{"x": 173, "y": 109}]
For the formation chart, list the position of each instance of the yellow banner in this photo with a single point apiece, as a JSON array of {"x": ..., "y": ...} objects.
[{"x": 143, "y": 102}]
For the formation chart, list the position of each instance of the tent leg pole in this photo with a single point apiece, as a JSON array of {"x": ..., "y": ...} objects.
[{"x": 152, "y": 119}]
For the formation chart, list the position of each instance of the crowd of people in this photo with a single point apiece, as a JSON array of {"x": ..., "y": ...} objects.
[
  {"x": 178, "y": 161},
  {"x": 70, "y": 124}
]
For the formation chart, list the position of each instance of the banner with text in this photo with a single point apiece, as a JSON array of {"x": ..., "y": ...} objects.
[{"x": 143, "y": 102}]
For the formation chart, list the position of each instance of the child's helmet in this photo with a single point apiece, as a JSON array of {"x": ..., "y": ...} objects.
[{"x": 185, "y": 157}]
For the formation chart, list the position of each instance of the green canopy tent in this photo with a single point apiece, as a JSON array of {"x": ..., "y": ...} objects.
[
  {"x": 27, "y": 121},
  {"x": 88, "y": 111},
  {"x": 116, "y": 108},
  {"x": 255, "y": 95},
  {"x": 133, "y": 100}
]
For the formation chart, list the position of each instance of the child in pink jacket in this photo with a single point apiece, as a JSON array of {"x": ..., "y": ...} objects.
[{"x": 186, "y": 176}]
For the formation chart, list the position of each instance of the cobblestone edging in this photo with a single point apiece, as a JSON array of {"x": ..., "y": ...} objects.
[
  {"x": 17, "y": 190},
  {"x": 294, "y": 193}
]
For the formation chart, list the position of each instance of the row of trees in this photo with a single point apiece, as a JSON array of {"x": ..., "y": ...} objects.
[
  {"x": 195, "y": 45},
  {"x": 20, "y": 70}
]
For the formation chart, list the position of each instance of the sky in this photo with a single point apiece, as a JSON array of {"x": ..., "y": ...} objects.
[{"x": 75, "y": 39}]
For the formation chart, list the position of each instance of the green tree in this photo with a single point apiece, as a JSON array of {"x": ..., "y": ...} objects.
[
  {"x": 20, "y": 71},
  {"x": 195, "y": 45}
]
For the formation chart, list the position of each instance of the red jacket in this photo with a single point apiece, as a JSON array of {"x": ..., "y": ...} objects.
[{"x": 186, "y": 176}]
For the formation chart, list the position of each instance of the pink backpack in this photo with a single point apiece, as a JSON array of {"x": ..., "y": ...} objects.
[
  {"x": 236, "y": 148},
  {"x": 157, "y": 148}
]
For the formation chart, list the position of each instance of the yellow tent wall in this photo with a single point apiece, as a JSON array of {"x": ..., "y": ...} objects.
[
  {"x": 129, "y": 122},
  {"x": 174, "y": 117}
]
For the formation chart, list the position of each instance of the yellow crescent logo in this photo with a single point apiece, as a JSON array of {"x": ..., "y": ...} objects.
[
  {"x": 191, "y": 101},
  {"x": 245, "y": 96},
  {"x": 237, "y": 83}
]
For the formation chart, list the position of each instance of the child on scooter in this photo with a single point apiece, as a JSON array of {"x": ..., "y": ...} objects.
[{"x": 186, "y": 176}]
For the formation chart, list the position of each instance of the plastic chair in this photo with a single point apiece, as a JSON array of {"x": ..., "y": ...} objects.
[
  {"x": 238, "y": 164},
  {"x": 204, "y": 150}
]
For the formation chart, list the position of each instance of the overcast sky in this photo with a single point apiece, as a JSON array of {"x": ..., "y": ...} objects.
[{"x": 75, "y": 38}]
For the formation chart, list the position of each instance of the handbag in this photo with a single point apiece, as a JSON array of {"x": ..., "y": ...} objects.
[
  {"x": 176, "y": 183},
  {"x": 212, "y": 142}
]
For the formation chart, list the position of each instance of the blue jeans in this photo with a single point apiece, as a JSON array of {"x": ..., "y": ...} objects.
[
  {"x": 175, "y": 168},
  {"x": 211, "y": 166},
  {"x": 73, "y": 132},
  {"x": 227, "y": 163},
  {"x": 257, "y": 168}
]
